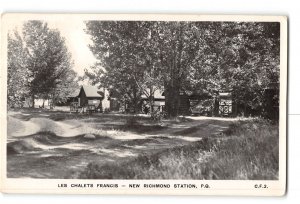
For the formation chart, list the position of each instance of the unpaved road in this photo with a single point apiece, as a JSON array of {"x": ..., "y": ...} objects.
[{"x": 44, "y": 148}]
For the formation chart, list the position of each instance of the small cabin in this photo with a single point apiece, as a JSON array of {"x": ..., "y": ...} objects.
[
  {"x": 90, "y": 95},
  {"x": 158, "y": 102},
  {"x": 90, "y": 98},
  {"x": 225, "y": 103}
]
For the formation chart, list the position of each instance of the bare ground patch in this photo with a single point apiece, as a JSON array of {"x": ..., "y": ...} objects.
[{"x": 61, "y": 146}]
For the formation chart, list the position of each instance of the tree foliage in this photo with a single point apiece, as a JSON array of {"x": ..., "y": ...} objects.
[
  {"x": 242, "y": 57},
  {"x": 202, "y": 57},
  {"x": 43, "y": 60},
  {"x": 124, "y": 50},
  {"x": 16, "y": 70}
]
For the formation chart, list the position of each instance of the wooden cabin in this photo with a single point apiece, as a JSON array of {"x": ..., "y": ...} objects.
[
  {"x": 159, "y": 102},
  {"x": 89, "y": 95},
  {"x": 225, "y": 105},
  {"x": 90, "y": 98}
]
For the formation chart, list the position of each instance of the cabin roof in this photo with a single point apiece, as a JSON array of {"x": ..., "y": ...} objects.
[
  {"x": 225, "y": 95},
  {"x": 92, "y": 91},
  {"x": 158, "y": 94}
]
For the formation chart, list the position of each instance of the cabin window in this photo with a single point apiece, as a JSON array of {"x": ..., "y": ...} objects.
[{"x": 93, "y": 102}]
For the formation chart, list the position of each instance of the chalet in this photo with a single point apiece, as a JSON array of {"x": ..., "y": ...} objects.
[
  {"x": 187, "y": 100},
  {"x": 92, "y": 98},
  {"x": 89, "y": 95},
  {"x": 225, "y": 104},
  {"x": 159, "y": 102},
  {"x": 197, "y": 103},
  {"x": 202, "y": 103}
]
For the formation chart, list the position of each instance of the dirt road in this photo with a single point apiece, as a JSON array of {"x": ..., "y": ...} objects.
[{"x": 43, "y": 148}]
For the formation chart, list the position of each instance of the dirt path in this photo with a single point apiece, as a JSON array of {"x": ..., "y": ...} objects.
[
  {"x": 62, "y": 147},
  {"x": 19, "y": 128}
]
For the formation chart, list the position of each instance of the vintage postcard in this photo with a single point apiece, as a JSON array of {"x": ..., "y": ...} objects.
[{"x": 143, "y": 104}]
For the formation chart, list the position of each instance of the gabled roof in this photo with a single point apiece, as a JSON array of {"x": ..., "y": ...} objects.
[
  {"x": 158, "y": 94},
  {"x": 92, "y": 91},
  {"x": 225, "y": 95}
]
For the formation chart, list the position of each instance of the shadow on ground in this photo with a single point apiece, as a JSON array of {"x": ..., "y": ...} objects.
[{"x": 102, "y": 139}]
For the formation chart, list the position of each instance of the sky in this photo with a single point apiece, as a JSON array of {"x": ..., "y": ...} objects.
[{"x": 76, "y": 40}]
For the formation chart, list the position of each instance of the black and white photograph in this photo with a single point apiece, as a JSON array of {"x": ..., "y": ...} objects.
[{"x": 145, "y": 99}]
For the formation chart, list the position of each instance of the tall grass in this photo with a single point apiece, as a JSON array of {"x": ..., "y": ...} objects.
[{"x": 247, "y": 150}]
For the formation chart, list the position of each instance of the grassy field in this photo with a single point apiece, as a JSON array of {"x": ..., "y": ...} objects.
[
  {"x": 55, "y": 144},
  {"x": 247, "y": 150}
]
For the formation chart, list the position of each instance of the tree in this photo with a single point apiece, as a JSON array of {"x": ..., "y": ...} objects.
[
  {"x": 238, "y": 56},
  {"x": 39, "y": 64},
  {"x": 126, "y": 64},
  {"x": 48, "y": 61},
  {"x": 65, "y": 88},
  {"x": 176, "y": 46},
  {"x": 144, "y": 55},
  {"x": 16, "y": 70},
  {"x": 187, "y": 56}
]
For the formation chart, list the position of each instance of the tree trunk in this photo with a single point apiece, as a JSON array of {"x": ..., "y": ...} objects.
[
  {"x": 135, "y": 100},
  {"x": 151, "y": 104},
  {"x": 32, "y": 97},
  {"x": 172, "y": 90},
  {"x": 216, "y": 107},
  {"x": 151, "y": 99},
  {"x": 172, "y": 100}
]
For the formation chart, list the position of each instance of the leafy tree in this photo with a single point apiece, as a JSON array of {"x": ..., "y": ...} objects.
[
  {"x": 48, "y": 62},
  {"x": 65, "y": 88},
  {"x": 206, "y": 57},
  {"x": 144, "y": 55},
  {"x": 176, "y": 46},
  {"x": 39, "y": 64},
  {"x": 242, "y": 57},
  {"x": 16, "y": 70},
  {"x": 123, "y": 49}
]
